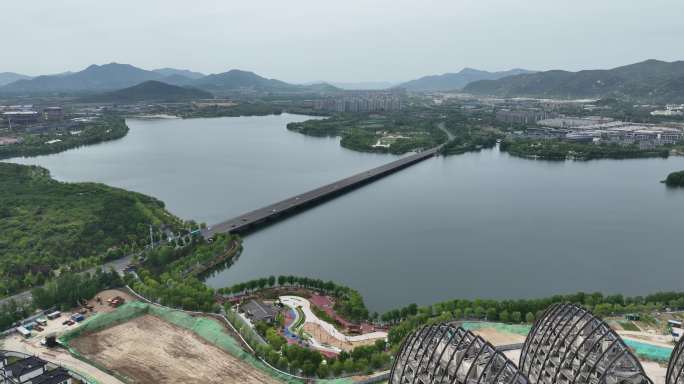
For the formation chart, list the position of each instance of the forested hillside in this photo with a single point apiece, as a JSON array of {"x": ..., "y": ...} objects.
[
  {"x": 45, "y": 224},
  {"x": 648, "y": 81}
]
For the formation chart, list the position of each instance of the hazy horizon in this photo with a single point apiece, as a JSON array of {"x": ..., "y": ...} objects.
[{"x": 307, "y": 40}]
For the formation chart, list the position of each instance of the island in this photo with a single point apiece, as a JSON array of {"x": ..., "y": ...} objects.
[{"x": 675, "y": 179}]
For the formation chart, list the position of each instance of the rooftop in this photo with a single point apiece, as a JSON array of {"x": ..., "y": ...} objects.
[
  {"x": 20, "y": 113},
  {"x": 258, "y": 311},
  {"x": 56, "y": 376},
  {"x": 21, "y": 367}
]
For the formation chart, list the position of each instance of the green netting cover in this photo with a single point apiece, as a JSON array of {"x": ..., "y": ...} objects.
[
  {"x": 209, "y": 329},
  {"x": 649, "y": 351},
  {"x": 518, "y": 329}
]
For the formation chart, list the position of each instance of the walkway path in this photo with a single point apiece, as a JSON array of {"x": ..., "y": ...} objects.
[{"x": 296, "y": 301}]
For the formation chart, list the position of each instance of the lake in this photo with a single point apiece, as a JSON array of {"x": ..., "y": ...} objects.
[{"x": 476, "y": 225}]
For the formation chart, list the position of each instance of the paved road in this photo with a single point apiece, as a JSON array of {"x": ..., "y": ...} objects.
[
  {"x": 448, "y": 132},
  {"x": 275, "y": 211}
]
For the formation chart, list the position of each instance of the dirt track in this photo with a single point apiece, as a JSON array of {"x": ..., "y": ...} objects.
[
  {"x": 150, "y": 350},
  {"x": 497, "y": 337}
]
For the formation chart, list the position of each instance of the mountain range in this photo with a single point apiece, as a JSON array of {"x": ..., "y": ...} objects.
[
  {"x": 10, "y": 77},
  {"x": 151, "y": 90},
  {"x": 115, "y": 76},
  {"x": 456, "y": 81},
  {"x": 648, "y": 81}
]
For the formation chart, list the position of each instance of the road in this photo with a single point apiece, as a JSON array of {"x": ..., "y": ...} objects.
[
  {"x": 118, "y": 265},
  {"x": 448, "y": 133}
]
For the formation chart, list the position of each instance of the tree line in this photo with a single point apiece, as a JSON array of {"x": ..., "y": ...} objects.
[
  {"x": 164, "y": 273},
  {"x": 408, "y": 318},
  {"x": 675, "y": 179}
]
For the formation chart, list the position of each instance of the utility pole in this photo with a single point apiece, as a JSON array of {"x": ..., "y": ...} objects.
[{"x": 151, "y": 238}]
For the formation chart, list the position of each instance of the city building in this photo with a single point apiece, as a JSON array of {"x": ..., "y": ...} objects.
[
  {"x": 523, "y": 116},
  {"x": 366, "y": 101},
  {"x": 53, "y": 113}
]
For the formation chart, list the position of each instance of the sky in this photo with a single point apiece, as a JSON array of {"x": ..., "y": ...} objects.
[{"x": 343, "y": 40}]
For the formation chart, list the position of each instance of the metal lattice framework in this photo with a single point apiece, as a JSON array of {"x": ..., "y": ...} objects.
[
  {"x": 675, "y": 370},
  {"x": 569, "y": 345},
  {"x": 445, "y": 353}
]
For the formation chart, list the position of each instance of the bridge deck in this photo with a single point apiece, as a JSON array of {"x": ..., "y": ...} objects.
[{"x": 250, "y": 220}]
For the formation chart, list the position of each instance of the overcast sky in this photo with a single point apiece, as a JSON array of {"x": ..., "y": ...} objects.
[{"x": 342, "y": 40}]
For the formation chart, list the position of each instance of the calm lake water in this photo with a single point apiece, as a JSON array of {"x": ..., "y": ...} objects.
[{"x": 476, "y": 225}]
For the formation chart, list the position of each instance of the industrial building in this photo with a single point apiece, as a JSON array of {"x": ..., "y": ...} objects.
[{"x": 21, "y": 117}]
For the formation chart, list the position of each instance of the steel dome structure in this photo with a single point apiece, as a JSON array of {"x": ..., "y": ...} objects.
[
  {"x": 675, "y": 370},
  {"x": 445, "y": 353},
  {"x": 569, "y": 345}
]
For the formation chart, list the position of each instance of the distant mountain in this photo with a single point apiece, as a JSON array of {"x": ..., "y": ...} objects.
[
  {"x": 651, "y": 80},
  {"x": 319, "y": 87},
  {"x": 94, "y": 78},
  {"x": 166, "y": 72},
  {"x": 178, "y": 80},
  {"x": 456, "y": 81},
  {"x": 114, "y": 76},
  {"x": 237, "y": 80},
  {"x": 10, "y": 77},
  {"x": 151, "y": 90}
]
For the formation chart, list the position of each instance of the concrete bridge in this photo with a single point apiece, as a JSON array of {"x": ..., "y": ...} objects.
[{"x": 274, "y": 212}]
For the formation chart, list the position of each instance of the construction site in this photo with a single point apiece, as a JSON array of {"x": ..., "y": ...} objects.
[{"x": 147, "y": 349}]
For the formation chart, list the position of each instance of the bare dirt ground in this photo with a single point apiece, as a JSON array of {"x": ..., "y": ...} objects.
[
  {"x": 654, "y": 370},
  {"x": 150, "y": 350},
  {"x": 497, "y": 337},
  {"x": 106, "y": 295},
  {"x": 324, "y": 337}
]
